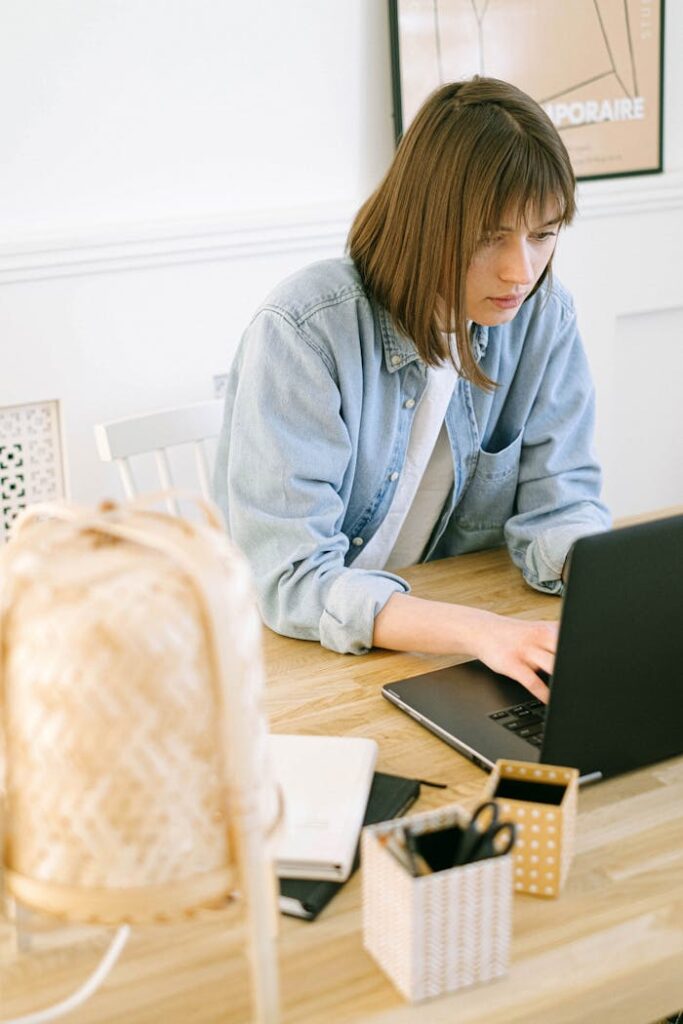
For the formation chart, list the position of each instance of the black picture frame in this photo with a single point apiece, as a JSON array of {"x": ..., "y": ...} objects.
[{"x": 627, "y": 141}]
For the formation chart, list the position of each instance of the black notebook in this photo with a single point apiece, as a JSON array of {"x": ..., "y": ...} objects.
[{"x": 390, "y": 796}]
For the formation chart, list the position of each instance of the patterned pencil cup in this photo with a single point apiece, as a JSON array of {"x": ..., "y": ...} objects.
[
  {"x": 439, "y": 932},
  {"x": 541, "y": 799},
  {"x": 132, "y": 726}
]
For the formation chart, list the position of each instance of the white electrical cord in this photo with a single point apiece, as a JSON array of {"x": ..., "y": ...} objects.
[{"x": 87, "y": 989}]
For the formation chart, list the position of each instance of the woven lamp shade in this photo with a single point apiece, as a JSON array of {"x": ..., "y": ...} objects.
[{"x": 135, "y": 742}]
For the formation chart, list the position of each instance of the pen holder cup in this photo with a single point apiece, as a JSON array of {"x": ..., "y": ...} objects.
[
  {"x": 541, "y": 800},
  {"x": 438, "y": 932}
]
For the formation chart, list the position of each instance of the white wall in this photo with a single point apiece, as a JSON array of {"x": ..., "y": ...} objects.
[
  {"x": 165, "y": 162},
  {"x": 117, "y": 111}
]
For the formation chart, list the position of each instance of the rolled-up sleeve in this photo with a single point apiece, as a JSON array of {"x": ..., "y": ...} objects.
[
  {"x": 282, "y": 463},
  {"x": 559, "y": 483}
]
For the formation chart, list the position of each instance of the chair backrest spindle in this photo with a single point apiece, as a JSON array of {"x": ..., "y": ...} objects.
[
  {"x": 126, "y": 474},
  {"x": 166, "y": 478},
  {"x": 202, "y": 467}
]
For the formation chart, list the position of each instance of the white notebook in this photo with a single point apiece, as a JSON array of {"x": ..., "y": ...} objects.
[{"x": 325, "y": 782}]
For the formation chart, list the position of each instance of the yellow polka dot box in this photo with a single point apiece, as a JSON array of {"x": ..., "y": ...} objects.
[{"x": 541, "y": 799}]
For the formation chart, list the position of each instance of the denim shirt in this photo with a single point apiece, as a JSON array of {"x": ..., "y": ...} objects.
[{"x": 320, "y": 401}]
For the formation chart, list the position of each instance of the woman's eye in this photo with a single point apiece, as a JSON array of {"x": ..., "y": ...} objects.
[{"x": 542, "y": 236}]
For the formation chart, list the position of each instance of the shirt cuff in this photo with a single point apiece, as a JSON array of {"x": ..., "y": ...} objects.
[
  {"x": 353, "y": 601},
  {"x": 547, "y": 553}
]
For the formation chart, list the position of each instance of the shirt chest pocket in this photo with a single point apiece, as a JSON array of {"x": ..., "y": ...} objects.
[{"x": 489, "y": 500}]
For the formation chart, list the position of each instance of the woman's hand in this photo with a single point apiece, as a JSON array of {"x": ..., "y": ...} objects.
[
  {"x": 514, "y": 647},
  {"x": 519, "y": 649}
]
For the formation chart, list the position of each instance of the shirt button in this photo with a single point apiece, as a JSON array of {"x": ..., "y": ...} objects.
[
  {"x": 395, "y": 360},
  {"x": 393, "y": 476},
  {"x": 409, "y": 403},
  {"x": 358, "y": 541}
]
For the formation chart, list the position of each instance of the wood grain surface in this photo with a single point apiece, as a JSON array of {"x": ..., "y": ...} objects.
[{"x": 608, "y": 951}]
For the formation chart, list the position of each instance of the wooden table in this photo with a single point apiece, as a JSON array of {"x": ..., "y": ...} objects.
[{"x": 608, "y": 951}]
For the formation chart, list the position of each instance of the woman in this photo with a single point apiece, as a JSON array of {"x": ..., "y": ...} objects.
[{"x": 424, "y": 397}]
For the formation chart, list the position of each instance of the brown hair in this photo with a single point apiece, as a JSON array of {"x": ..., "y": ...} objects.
[{"x": 475, "y": 151}]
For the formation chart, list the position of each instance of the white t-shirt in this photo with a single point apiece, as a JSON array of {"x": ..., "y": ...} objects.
[{"x": 424, "y": 484}]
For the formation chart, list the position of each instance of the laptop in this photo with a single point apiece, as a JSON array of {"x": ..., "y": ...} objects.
[{"x": 616, "y": 693}]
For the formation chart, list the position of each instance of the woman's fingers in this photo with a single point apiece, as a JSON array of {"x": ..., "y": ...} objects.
[
  {"x": 536, "y": 652},
  {"x": 545, "y": 660},
  {"x": 539, "y": 655},
  {"x": 534, "y": 684},
  {"x": 520, "y": 649}
]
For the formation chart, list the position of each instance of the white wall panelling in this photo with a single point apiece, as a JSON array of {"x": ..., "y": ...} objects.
[
  {"x": 165, "y": 164},
  {"x": 645, "y": 432},
  {"x": 138, "y": 246}
]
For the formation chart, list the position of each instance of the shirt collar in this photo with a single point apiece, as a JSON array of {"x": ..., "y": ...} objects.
[{"x": 399, "y": 350}]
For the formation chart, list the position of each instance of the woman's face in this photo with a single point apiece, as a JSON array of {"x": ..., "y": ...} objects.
[{"x": 507, "y": 265}]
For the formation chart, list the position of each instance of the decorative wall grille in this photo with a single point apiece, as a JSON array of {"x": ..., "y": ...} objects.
[{"x": 31, "y": 462}]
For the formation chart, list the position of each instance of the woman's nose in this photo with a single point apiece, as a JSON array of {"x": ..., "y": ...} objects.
[{"x": 516, "y": 263}]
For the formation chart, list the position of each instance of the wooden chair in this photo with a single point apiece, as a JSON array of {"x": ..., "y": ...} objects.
[{"x": 156, "y": 432}]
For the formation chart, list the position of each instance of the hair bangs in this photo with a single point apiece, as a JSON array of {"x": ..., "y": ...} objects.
[{"x": 528, "y": 182}]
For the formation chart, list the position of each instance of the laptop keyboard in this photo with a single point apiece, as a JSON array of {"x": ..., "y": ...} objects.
[{"x": 526, "y": 720}]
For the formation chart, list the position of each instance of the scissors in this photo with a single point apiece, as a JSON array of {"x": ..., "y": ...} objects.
[{"x": 485, "y": 836}]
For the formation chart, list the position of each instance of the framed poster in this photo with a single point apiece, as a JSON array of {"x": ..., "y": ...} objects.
[{"x": 595, "y": 66}]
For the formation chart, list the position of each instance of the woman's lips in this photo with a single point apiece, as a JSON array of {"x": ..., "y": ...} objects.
[{"x": 506, "y": 301}]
